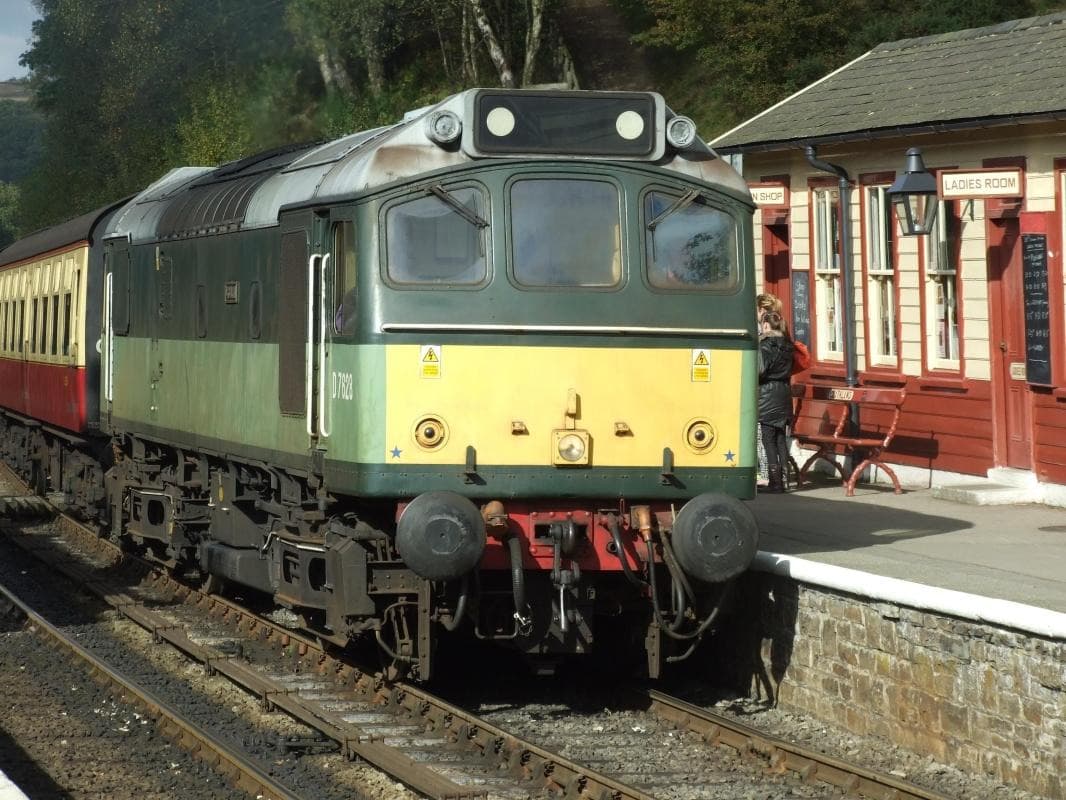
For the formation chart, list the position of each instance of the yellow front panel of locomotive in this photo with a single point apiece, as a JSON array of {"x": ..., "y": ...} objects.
[{"x": 508, "y": 402}]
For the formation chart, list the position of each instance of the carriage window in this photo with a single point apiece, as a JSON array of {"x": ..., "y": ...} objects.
[
  {"x": 33, "y": 328},
  {"x": 66, "y": 324},
  {"x": 344, "y": 285},
  {"x": 54, "y": 350},
  {"x": 566, "y": 233},
  {"x": 438, "y": 239},
  {"x": 22, "y": 324},
  {"x": 690, "y": 245}
]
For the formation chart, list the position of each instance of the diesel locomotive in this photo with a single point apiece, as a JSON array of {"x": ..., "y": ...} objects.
[{"x": 489, "y": 371}]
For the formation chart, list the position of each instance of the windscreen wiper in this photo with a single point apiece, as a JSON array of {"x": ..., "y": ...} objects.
[
  {"x": 445, "y": 196},
  {"x": 681, "y": 203}
]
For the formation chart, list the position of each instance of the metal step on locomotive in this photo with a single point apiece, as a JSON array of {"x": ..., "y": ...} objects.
[{"x": 487, "y": 372}]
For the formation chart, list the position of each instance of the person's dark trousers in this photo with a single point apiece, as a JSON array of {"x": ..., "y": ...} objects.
[{"x": 775, "y": 444}]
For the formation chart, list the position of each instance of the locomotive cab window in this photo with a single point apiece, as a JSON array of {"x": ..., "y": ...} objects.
[
  {"x": 689, "y": 244},
  {"x": 438, "y": 239},
  {"x": 345, "y": 296},
  {"x": 565, "y": 233}
]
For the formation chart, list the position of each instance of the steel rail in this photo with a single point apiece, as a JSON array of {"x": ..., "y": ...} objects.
[
  {"x": 244, "y": 773},
  {"x": 522, "y": 759},
  {"x": 781, "y": 755}
]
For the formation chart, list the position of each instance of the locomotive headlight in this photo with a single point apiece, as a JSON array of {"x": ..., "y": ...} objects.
[
  {"x": 571, "y": 447},
  {"x": 681, "y": 132},
  {"x": 430, "y": 433},
  {"x": 444, "y": 127},
  {"x": 699, "y": 436}
]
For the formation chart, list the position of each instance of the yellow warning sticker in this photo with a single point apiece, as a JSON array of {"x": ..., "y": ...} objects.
[
  {"x": 429, "y": 360},
  {"x": 701, "y": 366}
]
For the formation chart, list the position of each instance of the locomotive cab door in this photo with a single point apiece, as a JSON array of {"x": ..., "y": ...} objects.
[
  {"x": 303, "y": 330},
  {"x": 116, "y": 319}
]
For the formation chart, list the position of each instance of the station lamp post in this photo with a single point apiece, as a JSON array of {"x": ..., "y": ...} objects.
[{"x": 913, "y": 196}]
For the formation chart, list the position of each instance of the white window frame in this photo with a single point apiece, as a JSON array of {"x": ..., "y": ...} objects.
[
  {"x": 942, "y": 345},
  {"x": 826, "y": 251},
  {"x": 883, "y": 346}
]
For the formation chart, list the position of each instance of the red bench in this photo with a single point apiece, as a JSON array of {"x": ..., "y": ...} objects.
[{"x": 833, "y": 403}]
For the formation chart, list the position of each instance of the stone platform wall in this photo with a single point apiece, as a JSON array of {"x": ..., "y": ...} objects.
[{"x": 971, "y": 695}]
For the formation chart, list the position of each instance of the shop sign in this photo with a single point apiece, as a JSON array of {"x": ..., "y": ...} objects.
[
  {"x": 976, "y": 183},
  {"x": 769, "y": 195}
]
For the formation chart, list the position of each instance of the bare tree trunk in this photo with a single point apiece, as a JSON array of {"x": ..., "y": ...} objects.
[
  {"x": 440, "y": 40},
  {"x": 334, "y": 74},
  {"x": 564, "y": 62},
  {"x": 492, "y": 44},
  {"x": 470, "y": 70},
  {"x": 375, "y": 64},
  {"x": 536, "y": 20}
]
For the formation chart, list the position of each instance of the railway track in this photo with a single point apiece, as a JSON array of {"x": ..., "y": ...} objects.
[{"x": 436, "y": 748}]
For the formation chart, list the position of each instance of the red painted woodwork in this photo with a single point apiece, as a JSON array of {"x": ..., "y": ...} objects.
[
  {"x": 51, "y": 393},
  {"x": 777, "y": 265},
  {"x": 939, "y": 428},
  {"x": 1010, "y": 393}
]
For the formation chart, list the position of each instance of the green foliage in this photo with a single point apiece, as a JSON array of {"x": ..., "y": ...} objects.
[
  {"x": 750, "y": 54},
  {"x": 21, "y": 128},
  {"x": 128, "y": 89},
  {"x": 9, "y": 203}
]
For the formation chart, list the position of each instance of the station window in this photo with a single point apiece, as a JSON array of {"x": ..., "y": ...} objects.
[
  {"x": 438, "y": 239},
  {"x": 565, "y": 232},
  {"x": 345, "y": 294},
  {"x": 880, "y": 277},
  {"x": 942, "y": 289},
  {"x": 826, "y": 218},
  {"x": 689, "y": 244}
]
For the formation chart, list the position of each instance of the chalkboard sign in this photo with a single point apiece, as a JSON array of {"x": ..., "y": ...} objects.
[
  {"x": 801, "y": 307},
  {"x": 1037, "y": 308}
]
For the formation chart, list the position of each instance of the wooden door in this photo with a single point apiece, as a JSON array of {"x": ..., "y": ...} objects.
[
  {"x": 1010, "y": 392},
  {"x": 777, "y": 264}
]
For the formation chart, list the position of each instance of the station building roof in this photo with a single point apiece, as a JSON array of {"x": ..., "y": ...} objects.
[{"x": 1003, "y": 74}]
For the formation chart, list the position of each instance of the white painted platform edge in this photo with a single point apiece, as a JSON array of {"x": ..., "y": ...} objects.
[
  {"x": 1002, "y": 613},
  {"x": 9, "y": 791}
]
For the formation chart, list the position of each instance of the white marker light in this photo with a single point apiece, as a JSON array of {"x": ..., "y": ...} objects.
[
  {"x": 571, "y": 448},
  {"x": 630, "y": 125},
  {"x": 500, "y": 121}
]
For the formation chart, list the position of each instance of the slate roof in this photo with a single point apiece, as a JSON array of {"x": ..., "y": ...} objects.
[{"x": 1014, "y": 71}]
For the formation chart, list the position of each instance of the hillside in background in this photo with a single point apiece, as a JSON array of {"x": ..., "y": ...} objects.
[{"x": 125, "y": 90}]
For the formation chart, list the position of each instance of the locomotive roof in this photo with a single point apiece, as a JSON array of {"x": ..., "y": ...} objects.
[
  {"x": 249, "y": 193},
  {"x": 78, "y": 229}
]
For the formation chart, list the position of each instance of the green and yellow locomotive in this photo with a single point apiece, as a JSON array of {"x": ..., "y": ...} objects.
[{"x": 490, "y": 370}]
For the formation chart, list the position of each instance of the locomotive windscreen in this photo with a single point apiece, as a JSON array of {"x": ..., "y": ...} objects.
[{"x": 622, "y": 125}]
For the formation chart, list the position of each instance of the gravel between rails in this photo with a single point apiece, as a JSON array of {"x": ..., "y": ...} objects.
[
  {"x": 580, "y": 715},
  {"x": 208, "y": 700}
]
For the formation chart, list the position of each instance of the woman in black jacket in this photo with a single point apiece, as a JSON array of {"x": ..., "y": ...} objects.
[{"x": 775, "y": 395}]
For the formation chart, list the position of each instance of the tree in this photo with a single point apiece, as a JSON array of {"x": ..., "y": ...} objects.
[
  {"x": 21, "y": 128},
  {"x": 9, "y": 201}
]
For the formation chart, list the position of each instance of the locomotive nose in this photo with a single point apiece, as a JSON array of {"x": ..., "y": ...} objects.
[
  {"x": 441, "y": 535},
  {"x": 715, "y": 537}
]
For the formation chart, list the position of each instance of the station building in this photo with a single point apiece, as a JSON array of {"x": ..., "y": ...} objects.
[{"x": 969, "y": 319}]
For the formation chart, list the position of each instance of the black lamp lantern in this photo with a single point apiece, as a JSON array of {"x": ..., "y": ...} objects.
[{"x": 914, "y": 197}]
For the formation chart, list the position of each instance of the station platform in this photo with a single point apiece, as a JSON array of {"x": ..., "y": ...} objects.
[{"x": 1014, "y": 553}]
